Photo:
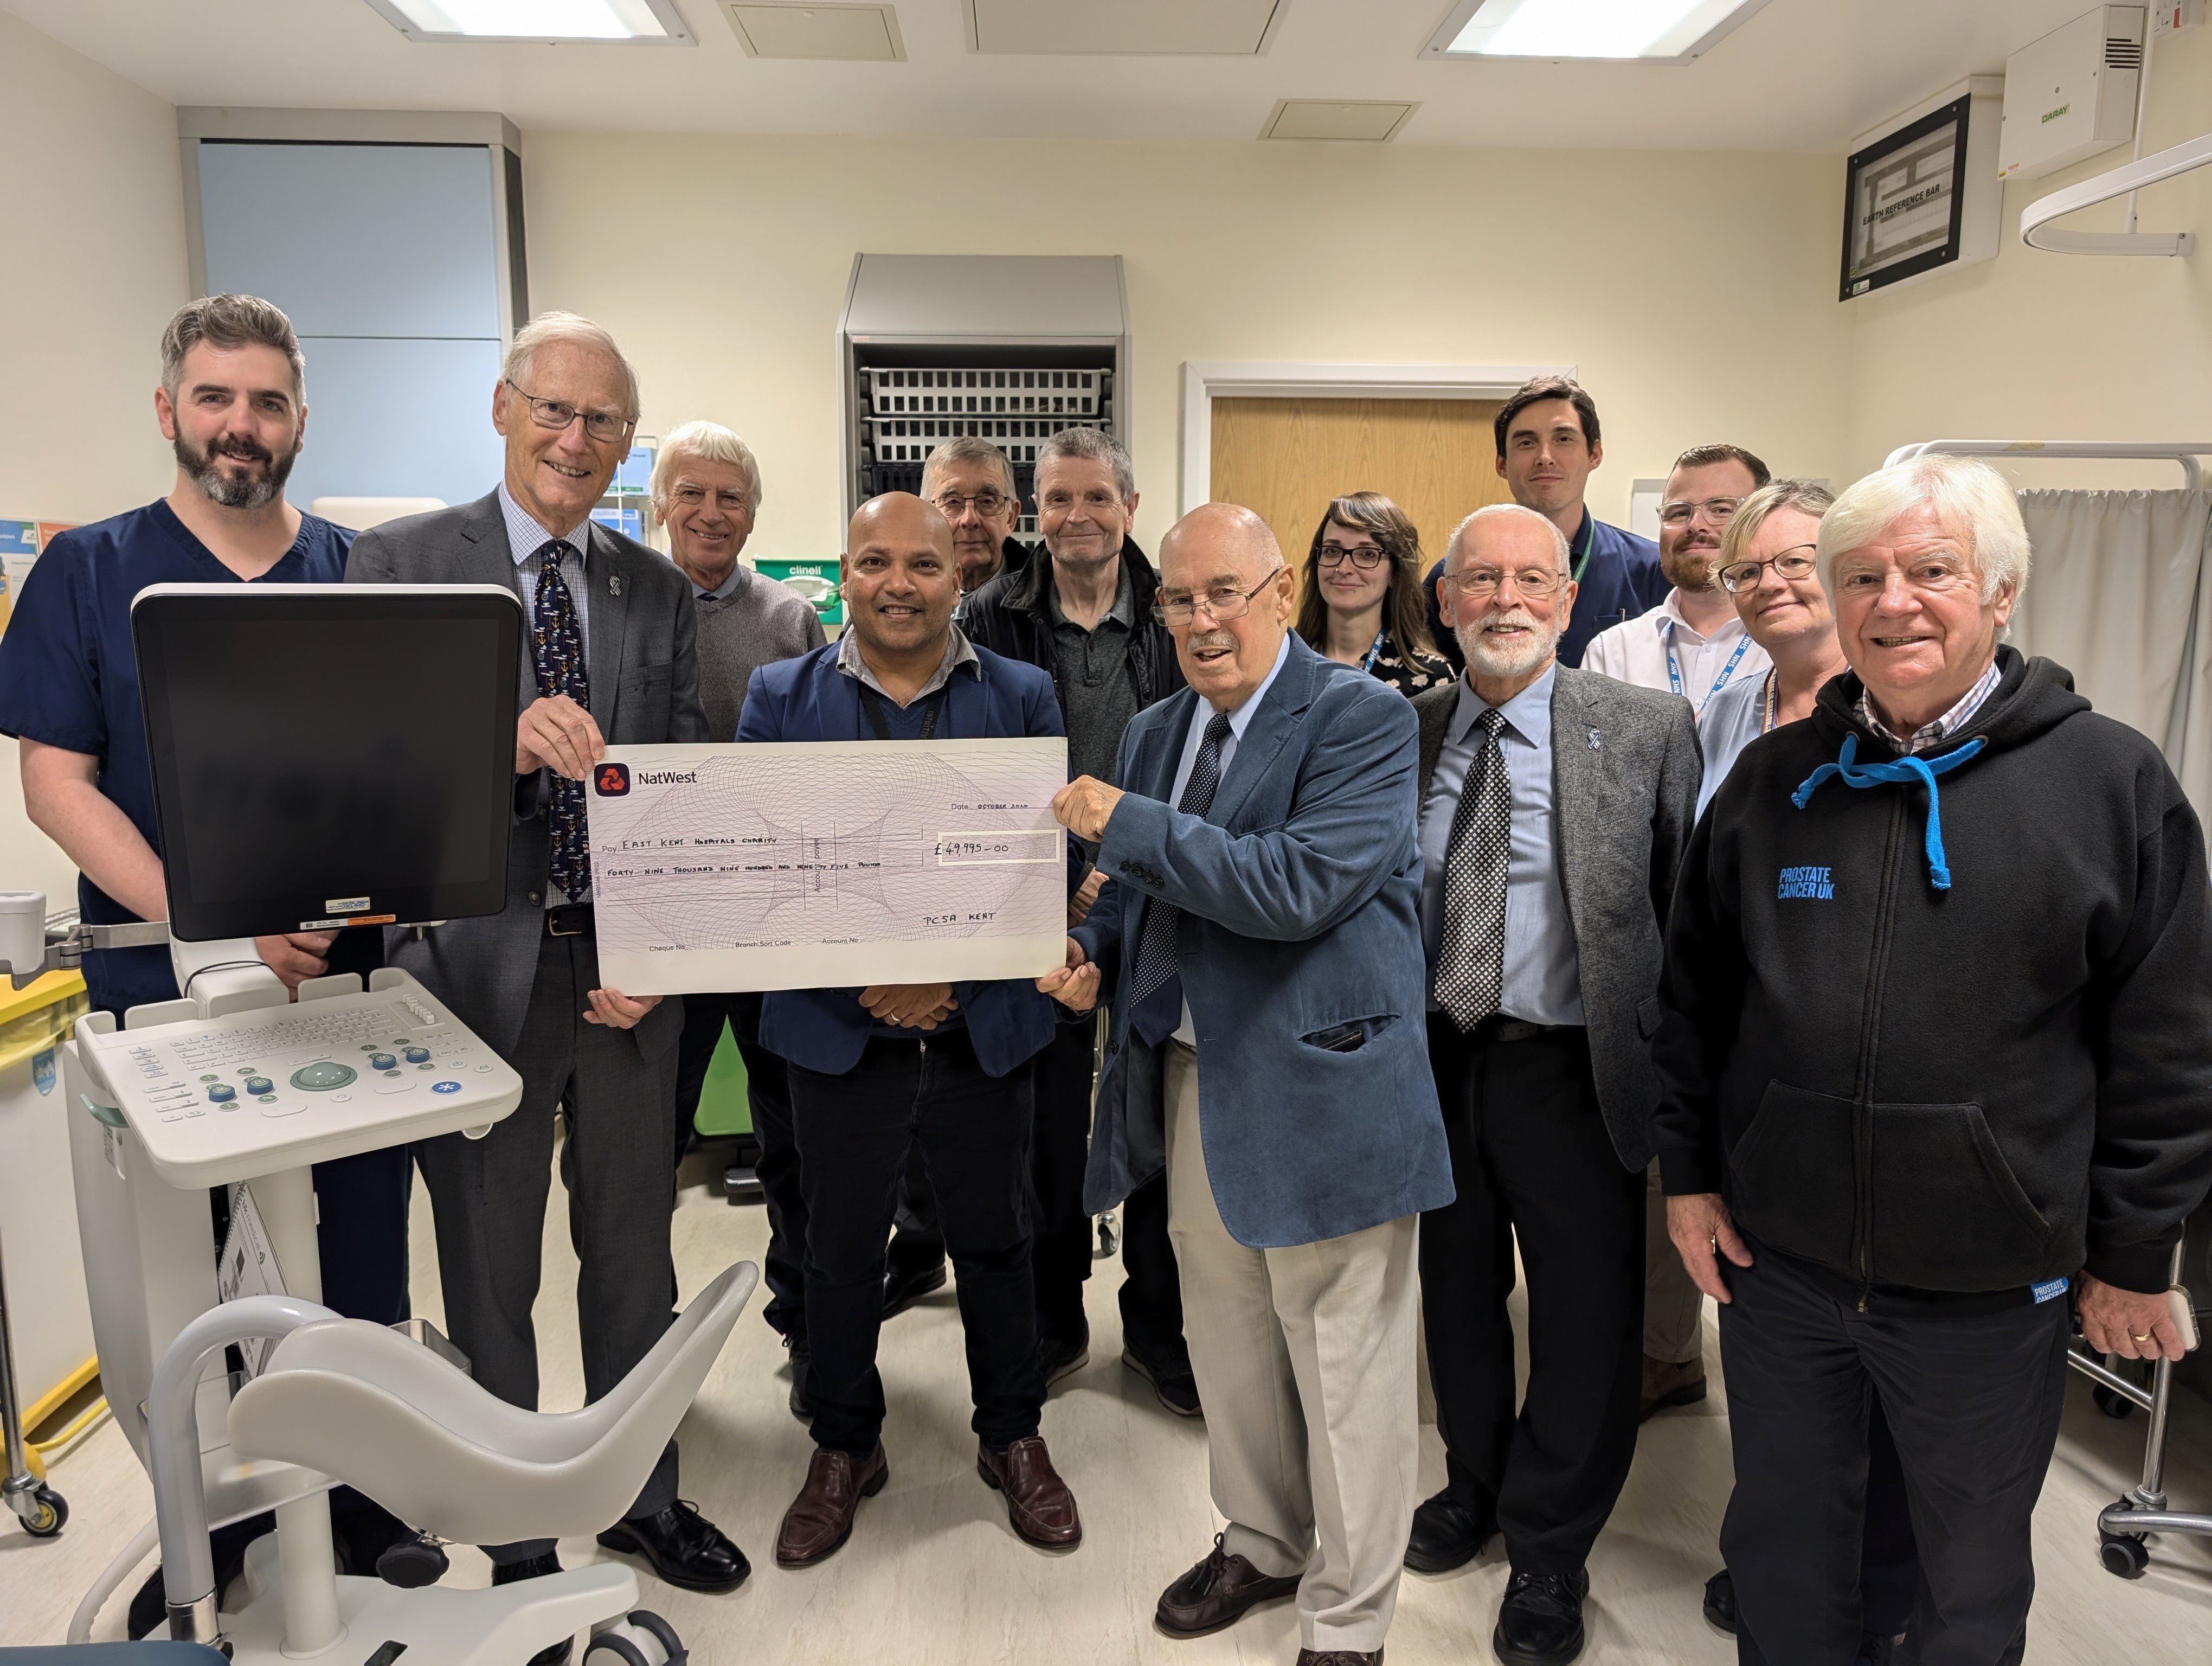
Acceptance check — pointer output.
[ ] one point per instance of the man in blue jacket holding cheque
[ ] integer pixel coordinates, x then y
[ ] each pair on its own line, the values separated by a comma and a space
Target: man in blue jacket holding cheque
1263, 943
942, 1065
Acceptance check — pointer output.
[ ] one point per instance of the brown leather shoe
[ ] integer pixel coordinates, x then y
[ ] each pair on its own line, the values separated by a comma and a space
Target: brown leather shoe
1339, 1657
1218, 1592
820, 1518
1666, 1384
1038, 1502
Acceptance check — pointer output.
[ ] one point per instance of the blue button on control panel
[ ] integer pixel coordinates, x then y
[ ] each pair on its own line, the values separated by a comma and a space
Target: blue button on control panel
222, 1093
382, 1062
418, 1055
445, 1087
258, 1085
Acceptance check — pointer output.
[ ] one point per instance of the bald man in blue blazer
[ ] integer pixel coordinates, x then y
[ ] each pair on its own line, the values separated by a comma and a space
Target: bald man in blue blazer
1262, 947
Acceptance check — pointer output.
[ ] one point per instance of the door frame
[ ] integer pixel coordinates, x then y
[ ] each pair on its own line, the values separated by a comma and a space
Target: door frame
1205, 381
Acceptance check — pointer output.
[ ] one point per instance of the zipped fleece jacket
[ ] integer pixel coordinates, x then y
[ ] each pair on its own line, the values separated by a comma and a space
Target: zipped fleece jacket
1929, 1093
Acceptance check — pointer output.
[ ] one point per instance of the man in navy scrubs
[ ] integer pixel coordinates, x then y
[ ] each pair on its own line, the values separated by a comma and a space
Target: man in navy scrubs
1547, 446
231, 405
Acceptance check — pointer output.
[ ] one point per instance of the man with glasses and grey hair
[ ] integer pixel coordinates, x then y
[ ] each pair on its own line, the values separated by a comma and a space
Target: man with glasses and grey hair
614, 660
1993, 1102
972, 485
1555, 807
1260, 941
706, 492
1084, 613
1692, 644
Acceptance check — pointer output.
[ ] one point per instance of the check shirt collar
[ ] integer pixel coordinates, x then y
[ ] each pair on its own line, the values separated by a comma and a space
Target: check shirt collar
1930, 734
958, 652
525, 537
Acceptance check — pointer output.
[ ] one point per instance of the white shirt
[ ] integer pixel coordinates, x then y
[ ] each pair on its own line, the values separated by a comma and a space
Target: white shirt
1239, 721
1637, 651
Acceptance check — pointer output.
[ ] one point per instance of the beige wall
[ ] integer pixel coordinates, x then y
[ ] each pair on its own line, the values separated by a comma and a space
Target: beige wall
93, 199
2039, 346
720, 264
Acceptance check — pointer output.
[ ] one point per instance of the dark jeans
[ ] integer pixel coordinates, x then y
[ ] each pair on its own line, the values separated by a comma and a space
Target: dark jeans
1532, 1160
973, 1132
1152, 1293
768, 1093
1973, 1405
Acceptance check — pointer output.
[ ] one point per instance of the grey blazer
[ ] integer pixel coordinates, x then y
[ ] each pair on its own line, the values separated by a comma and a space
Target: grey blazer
1624, 772
645, 690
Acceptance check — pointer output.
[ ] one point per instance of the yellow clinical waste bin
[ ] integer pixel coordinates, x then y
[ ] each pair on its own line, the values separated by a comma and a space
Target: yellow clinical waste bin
47, 1309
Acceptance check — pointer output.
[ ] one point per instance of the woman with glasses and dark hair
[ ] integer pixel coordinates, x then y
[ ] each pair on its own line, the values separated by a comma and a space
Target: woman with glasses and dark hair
1362, 603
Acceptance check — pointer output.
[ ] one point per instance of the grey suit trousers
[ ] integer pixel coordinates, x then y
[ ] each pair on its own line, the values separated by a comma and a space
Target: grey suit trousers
488, 1197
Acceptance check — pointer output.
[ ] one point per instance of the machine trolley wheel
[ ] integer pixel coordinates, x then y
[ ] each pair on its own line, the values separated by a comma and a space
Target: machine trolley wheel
49, 1513
2112, 1405
2122, 1554
641, 1638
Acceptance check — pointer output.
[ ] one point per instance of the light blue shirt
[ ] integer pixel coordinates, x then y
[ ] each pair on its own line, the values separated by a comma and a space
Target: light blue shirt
525, 538
728, 587
1732, 720
1543, 979
1239, 721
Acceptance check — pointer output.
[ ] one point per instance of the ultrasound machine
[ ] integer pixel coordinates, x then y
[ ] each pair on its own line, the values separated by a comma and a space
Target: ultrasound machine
324, 756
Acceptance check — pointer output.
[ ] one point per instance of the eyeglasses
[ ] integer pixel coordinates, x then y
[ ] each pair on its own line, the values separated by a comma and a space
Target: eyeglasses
1476, 582
1223, 601
1718, 510
1365, 557
953, 506
557, 414
1790, 566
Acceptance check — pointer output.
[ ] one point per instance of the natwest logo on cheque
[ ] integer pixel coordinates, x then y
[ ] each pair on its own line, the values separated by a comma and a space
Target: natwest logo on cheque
610, 779
667, 777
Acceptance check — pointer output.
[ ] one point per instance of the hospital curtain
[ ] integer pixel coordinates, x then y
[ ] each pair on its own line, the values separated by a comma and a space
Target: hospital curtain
2116, 596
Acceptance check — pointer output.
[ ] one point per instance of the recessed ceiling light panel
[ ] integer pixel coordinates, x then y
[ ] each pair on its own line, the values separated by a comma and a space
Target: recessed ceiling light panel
1640, 31
632, 22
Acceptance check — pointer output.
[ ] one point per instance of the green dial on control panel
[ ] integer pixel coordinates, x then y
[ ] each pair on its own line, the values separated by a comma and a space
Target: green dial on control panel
322, 1075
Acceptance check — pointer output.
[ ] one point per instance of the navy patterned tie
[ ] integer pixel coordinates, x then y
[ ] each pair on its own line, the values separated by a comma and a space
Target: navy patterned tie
557, 640
1156, 937
1471, 949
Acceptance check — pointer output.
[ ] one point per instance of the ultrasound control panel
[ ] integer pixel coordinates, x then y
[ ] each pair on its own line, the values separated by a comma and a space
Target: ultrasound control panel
221, 1100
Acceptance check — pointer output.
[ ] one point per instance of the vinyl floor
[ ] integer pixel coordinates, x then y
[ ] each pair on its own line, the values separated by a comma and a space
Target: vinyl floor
934, 1576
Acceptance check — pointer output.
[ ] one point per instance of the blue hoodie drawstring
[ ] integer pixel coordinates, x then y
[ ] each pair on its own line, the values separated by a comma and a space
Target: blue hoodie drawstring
1924, 770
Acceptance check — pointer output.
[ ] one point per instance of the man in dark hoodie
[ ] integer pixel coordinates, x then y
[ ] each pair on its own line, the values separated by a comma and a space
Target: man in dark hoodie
1935, 1039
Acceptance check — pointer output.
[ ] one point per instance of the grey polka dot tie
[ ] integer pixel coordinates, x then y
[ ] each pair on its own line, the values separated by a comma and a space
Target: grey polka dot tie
1471, 952
1156, 934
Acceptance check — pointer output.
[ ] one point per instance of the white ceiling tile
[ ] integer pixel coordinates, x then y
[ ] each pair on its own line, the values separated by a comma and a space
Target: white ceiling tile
1178, 28
1373, 120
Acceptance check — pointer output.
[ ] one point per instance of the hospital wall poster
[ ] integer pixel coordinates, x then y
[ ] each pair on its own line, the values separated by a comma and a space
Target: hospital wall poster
816, 580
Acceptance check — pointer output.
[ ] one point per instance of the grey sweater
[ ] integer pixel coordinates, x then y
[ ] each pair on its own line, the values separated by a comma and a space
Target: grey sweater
759, 622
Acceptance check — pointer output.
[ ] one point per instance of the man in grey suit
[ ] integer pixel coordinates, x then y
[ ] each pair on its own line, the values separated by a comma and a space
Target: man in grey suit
1263, 944
1555, 807
614, 660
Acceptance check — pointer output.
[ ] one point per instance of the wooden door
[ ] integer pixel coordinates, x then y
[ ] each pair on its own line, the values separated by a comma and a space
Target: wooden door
1285, 459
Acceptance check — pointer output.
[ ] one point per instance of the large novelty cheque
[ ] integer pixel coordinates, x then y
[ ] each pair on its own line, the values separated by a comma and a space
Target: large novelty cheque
826, 865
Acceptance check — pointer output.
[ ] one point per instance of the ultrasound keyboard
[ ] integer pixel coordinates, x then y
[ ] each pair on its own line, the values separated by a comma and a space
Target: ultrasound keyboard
254, 1092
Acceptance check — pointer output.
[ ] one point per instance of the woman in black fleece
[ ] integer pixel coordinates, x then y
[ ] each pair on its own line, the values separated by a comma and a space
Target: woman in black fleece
1936, 1047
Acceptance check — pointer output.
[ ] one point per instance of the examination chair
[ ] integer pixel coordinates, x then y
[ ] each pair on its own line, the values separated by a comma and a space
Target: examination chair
378, 1411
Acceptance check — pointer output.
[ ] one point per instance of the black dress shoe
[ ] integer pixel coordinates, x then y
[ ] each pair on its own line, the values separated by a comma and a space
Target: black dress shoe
686, 1549
1540, 1621
904, 1286
1063, 1356
506, 1573
1446, 1535
1720, 1601
1170, 1377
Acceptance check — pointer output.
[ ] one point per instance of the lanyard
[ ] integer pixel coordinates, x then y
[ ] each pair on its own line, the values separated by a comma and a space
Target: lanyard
1373, 652
1582, 561
1768, 711
873, 704
1675, 669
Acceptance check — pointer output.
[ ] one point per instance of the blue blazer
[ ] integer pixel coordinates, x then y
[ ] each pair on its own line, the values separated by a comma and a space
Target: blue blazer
1302, 892
809, 699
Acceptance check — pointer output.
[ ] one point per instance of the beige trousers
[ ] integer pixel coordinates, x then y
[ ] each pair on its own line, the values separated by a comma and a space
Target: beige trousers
1674, 1311
1305, 1359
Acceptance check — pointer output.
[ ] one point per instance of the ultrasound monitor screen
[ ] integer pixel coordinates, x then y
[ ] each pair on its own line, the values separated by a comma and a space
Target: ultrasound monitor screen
328, 754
